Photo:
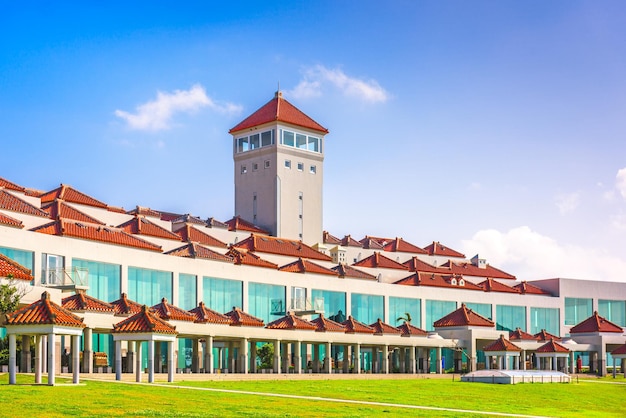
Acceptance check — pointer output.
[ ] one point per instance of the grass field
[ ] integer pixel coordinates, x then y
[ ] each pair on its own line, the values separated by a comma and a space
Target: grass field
100, 398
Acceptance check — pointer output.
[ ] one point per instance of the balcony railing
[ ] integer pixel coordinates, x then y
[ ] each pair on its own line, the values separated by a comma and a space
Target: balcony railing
306, 305
62, 277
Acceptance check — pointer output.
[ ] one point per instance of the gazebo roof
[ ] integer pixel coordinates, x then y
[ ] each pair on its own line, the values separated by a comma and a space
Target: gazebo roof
464, 316
501, 344
291, 321
144, 322
381, 328
168, 311
125, 306
518, 334
407, 330
241, 318
83, 302
544, 335
353, 326
44, 311
595, 323
206, 315
552, 347
324, 324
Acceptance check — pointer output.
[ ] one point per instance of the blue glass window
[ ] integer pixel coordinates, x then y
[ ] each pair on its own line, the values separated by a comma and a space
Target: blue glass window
367, 308
104, 279
222, 295
148, 287
187, 291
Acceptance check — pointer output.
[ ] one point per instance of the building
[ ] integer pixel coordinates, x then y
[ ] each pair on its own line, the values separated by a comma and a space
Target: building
272, 275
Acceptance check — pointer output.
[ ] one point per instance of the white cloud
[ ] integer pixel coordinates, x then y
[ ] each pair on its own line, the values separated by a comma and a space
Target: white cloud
567, 202
620, 182
529, 256
156, 115
317, 77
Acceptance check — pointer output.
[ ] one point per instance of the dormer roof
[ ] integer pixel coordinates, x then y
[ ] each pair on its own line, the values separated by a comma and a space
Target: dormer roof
525, 287
125, 306
348, 241
501, 344
544, 335
280, 246
408, 330
195, 250
469, 269
241, 318
437, 248
552, 347
377, 260
491, 285
13, 268
69, 194
193, 234
247, 258
438, 280
239, 224
59, 209
399, 245
518, 334
596, 323
327, 238
464, 316
305, 266
381, 328
345, 270
168, 311
206, 315
291, 321
13, 203
85, 303
144, 211
44, 312
144, 321
139, 225
353, 326
8, 221
324, 324
10, 185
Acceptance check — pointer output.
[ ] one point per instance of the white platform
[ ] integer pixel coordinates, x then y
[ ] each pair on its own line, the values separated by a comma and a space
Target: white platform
512, 377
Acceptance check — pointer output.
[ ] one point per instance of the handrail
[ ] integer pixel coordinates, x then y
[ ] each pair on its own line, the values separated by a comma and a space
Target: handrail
60, 276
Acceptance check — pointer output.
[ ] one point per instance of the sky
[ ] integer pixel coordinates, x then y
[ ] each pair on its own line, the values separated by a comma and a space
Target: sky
497, 128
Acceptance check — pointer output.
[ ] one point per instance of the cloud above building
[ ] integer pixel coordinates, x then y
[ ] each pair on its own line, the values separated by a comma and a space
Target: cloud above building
315, 79
620, 182
567, 202
156, 115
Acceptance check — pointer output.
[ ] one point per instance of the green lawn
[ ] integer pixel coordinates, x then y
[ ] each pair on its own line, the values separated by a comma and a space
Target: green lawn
586, 398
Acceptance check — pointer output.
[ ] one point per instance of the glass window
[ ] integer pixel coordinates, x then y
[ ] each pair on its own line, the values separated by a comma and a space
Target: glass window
104, 279
266, 301
482, 309
300, 141
334, 303
577, 310
287, 163
25, 258
242, 144
437, 309
313, 169
314, 144
300, 166
52, 269
367, 308
544, 318
222, 294
187, 291
288, 138
399, 307
267, 164
244, 169
508, 318
148, 287
266, 138
254, 141
613, 310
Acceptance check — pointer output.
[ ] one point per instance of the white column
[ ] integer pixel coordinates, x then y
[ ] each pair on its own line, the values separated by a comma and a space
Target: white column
439, 371
375, 362
118, 360
44, 352
253, 356
297, 359
208, 354
412, 360
151, 361
170, 361
51, 359
385, 358
75, 359
329, 359
12, 359
38, 354
138, 354
87, 350
277, 368
243, 356
523, 360
357, 359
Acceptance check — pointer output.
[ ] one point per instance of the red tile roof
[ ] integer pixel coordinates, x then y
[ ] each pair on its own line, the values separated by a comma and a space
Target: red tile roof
370, 243
501, 344
377, 260
596, 323
544, 335
526, 287
415, 264
278, 110
518, 334
464, 316
400, 245
214, 223
348, 241
280, 246
192, 234
186, 218
407, 330
247, 258
206, 315
13, 203
305, 266
468, 269
142, 322
552, 347
381, 328
324, 324
44, 311
140, 210
8, 221
70, 194
291, 321
168, 312
195, 250
437, 249
9, 185
13, 268
125, 306
109, 235
142, 226
491, 285
438, 280
239, 224
327, 238
345, 270
116, 209
621, 350
85, 303
353, 326
241, 318
58, 209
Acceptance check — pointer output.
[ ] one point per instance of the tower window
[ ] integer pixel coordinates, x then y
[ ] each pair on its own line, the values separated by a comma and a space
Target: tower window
267, 164
287, 163
300, 166
244, 169
255, 167
313, 169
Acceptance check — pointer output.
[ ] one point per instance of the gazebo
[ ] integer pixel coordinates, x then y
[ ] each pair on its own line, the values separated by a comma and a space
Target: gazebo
502, 349
552, 351
619, 354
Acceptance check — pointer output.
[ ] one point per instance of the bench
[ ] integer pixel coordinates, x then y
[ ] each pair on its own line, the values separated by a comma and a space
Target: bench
100, 359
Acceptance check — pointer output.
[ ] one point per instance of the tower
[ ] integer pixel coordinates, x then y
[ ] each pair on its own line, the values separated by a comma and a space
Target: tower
278, 156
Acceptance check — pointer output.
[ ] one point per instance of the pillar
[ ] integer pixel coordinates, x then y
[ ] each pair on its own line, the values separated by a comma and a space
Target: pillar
88, 350
277, 348
316, 358
297, 359
328, 360
170, 361
307, 356
208, 354
243, 356
158, 357
51, 359
38, 362
137, 361
231, 358
375, 362
286, 357
130, 356
253, 356
572, 362
118, 360
385, 359
151, 361
44, 353
402, 360
523, 360
346, 358
357, 358
421, 367
12, 359
26, 359
412, 360
75, 359
439, 371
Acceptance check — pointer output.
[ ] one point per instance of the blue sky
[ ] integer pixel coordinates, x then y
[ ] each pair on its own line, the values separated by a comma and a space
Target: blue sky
492, 127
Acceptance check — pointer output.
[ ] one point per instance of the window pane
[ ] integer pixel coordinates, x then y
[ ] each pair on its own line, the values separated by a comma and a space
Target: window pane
577, 310
334, 303
508, 318
266, 138
288, 138
242, 144
613, 310
104, 279
367, 308
25, 258
300, 141
254, 141
544, 318
187, 291
314, 144
222, 295
266, 301
148, 287
399, 307
437, 309
482, 309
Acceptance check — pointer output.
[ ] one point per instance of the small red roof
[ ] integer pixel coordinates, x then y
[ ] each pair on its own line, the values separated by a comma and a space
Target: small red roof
280, 246
9, 185
595, 323
619, 350
125, 306
206, 315
381, 328
544, 335
518, 334
407, 330
348, 241
142, 226
13, 268
438, 249
140, 210
42, 312
469, 269
70, 194
13, 203
239, 224
8, 221
59, 209
438, 280
464, 316
144, 321
324, 324
241, 318
552, 347
193, 234
377, 260
395, 245
353, 326
305, 266
371, 243
85, 303
247, 258
415, 264
170, 312
279, 110
327, 238
525, 287
291, 321
501, 344
345, 270
195, 250
491, 285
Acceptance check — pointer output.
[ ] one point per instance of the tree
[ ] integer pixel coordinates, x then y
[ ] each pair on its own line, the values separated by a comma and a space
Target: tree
10, 297
406, 318
266, 355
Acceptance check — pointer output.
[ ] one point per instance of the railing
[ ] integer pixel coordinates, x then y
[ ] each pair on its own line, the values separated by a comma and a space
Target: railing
75, 276
307, 305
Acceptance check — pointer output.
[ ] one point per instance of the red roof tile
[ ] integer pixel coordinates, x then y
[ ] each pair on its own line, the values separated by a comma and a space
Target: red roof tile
125, 306
377, 260
353, 326
324, 324
370, 243
143, 211
463, 316
438, 280
206, 315
595, 323
8, 221
525, 287
407, 330
415, 264
142, 322
621, 350
437, 249
13, 268
280, 246
345, 270
58, 209
491, 285
239, 224
381, 328
400, 245
44, 311
192, 234
241, 318
85, 303
468, 269
278, 110
501, 344
291, 321
544, 335
518, 334
109, 235
214, 223
305, 266
9, 185
552, 347
186, 218
142, 226
70, 194
116, 209
195, 250
348, 241
330, 239
247, 258
170, 312
13, 203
